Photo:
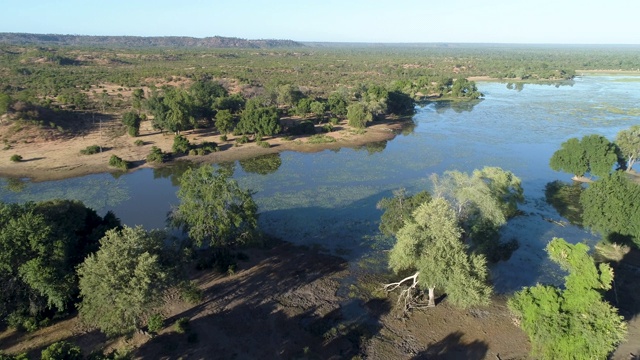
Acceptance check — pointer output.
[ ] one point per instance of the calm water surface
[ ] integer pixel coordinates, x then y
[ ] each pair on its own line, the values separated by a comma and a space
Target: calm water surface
328, 199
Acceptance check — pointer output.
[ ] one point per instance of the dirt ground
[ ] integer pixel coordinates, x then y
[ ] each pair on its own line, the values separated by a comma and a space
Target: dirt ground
289, 302
47, 157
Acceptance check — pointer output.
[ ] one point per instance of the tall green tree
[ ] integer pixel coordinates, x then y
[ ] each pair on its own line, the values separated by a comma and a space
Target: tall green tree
132, 121
431, 246
224, 121
258, 120
5, 103
124, 281
593, 154
337, 103
214, 209
628, 142
173, 110
574, 322
204, 94
611, 206
358, 115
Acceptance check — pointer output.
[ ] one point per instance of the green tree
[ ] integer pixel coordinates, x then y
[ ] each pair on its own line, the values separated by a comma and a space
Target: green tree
132, 121
258, 120
464, 88
124, 282
594, 154
224, 122
288, 95
61, 350
628, 142
358, 115
574, 322
337, 104
611, 206
5, 103
137, 99
431, 246
173, 110
399, 209
303, 107
213, 209
40, 246
318, 108
234, 103
204, 94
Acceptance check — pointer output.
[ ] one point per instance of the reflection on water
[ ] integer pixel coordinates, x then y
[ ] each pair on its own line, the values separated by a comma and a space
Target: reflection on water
328, 198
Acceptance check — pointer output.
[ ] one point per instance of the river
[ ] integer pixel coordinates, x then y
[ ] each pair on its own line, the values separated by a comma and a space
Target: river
328, 199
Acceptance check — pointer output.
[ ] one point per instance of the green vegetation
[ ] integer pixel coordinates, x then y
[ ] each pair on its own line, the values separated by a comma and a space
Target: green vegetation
15, 158
124, 281
573, 322
90, 150
38, 276
594, 154
399, 209
213, 209
61, 350
132, 121
181, 145
156, 155
628, 142
117, 162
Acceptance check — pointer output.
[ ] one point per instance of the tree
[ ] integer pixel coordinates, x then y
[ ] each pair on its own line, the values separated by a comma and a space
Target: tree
399, 209
465, 89
234, 103
132, 121
431, 246
503, 186
61, 350
213, 209
337, 104
303, 107
258, 120
124, 281
204, 94
5, 103
137, 98
40, 246
358, 115
173, 110
593, 154
224, 122
611, 206
318, 108
574, 322
288, 95
628, 142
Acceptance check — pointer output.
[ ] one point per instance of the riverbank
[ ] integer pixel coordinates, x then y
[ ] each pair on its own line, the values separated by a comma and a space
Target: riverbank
46, 160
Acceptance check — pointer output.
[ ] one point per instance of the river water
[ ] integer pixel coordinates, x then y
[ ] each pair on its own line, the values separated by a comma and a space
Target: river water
328, 199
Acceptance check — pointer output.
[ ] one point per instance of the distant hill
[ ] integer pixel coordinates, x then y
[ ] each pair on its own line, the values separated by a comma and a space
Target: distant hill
143, 41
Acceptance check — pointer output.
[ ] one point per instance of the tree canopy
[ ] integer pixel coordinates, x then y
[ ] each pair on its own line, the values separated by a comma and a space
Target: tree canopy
574, 322
124, 281
628, 142
358, 115
258, 120
593, 154
399, 209
214, 209
431, 245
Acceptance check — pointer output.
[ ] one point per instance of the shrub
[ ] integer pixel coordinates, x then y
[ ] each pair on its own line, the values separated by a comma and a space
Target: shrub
263, 144
62, 350
90, 150
327, 128
156, 155
138, 142
15, 158
22, 322
181, 144
193, 152
321, 139
182, 325
303, 128
223, 137
155, 323
243, 139
334, 121
190, 293
209, 147
117, 162
132, 121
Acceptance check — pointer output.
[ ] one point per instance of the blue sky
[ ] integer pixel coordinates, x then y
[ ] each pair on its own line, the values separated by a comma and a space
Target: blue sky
497, 21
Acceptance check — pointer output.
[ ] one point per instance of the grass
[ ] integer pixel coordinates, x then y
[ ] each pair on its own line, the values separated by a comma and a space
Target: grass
321, 139
90, 150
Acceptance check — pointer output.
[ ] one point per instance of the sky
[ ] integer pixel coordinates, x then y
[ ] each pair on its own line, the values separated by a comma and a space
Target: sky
378, 21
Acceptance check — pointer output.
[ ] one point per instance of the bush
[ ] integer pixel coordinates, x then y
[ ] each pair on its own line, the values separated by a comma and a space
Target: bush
15, 158
156, 155
242, 140
327, 128
182, 325
155, 323
181, 144
321, 139
90, 150
209, 147
334, 121
263, 144
132, 121
138, 142
62, 350
22, 356
303, 128
22, 322
223, 137
193, 152
191, 293
117, 162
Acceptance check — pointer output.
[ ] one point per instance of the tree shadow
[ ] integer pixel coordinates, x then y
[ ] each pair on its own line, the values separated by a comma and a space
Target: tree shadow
33, 159
452, 347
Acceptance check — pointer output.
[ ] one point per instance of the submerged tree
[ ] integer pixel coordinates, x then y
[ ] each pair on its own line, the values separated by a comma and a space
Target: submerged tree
214, 209
431, 246
574, 322
594, 154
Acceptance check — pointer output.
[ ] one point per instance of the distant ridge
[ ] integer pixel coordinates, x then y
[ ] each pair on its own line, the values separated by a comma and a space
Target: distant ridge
143, 41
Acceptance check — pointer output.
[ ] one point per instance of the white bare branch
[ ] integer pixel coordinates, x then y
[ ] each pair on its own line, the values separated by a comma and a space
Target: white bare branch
407, 295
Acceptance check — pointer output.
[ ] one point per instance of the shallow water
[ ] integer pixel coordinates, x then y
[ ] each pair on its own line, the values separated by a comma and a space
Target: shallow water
328, 199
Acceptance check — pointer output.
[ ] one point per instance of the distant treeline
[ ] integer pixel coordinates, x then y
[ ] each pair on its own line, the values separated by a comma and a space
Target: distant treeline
143, 41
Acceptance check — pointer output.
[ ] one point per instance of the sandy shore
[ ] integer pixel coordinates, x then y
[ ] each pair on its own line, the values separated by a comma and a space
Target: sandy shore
61, 159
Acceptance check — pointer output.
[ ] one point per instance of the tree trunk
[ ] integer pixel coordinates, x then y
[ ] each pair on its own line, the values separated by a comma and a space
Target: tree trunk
432, 300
